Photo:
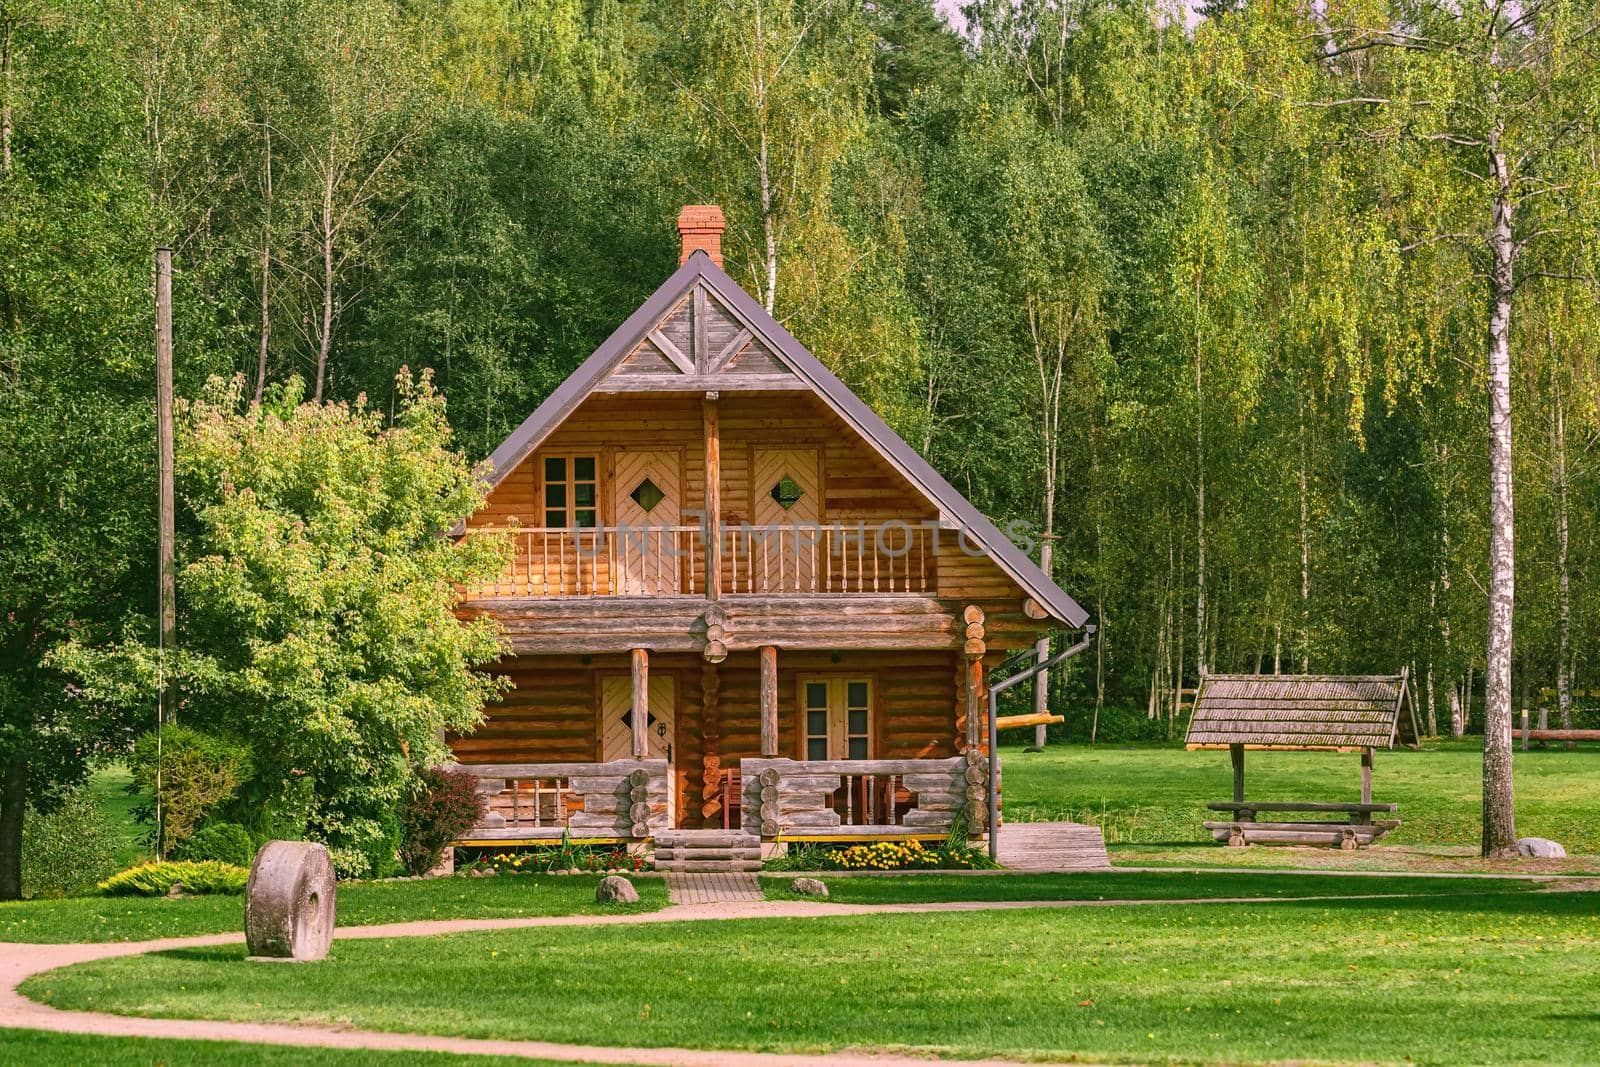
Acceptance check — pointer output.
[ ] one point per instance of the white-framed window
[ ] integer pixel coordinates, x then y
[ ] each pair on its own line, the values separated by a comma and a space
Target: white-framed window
836, 718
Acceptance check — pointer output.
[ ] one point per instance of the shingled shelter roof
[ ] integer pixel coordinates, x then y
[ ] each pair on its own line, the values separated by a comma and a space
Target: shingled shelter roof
1303, 711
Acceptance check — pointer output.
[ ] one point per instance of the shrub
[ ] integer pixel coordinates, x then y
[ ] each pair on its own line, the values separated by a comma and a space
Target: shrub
68, 850
197, 772
225, 842
444, 806
157, 879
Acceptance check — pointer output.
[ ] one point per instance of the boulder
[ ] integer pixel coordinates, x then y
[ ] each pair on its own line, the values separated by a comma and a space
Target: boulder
289, 902
809, 887
614, 889
1540, 848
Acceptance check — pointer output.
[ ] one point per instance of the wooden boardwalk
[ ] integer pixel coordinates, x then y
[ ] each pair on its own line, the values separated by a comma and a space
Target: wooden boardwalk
1039, 847
719, 888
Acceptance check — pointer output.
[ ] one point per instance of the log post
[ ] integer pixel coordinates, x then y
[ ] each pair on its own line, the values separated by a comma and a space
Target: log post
974, 649
1236, 752
769, 701
711, 740
1366, 776
641, 703
713, 520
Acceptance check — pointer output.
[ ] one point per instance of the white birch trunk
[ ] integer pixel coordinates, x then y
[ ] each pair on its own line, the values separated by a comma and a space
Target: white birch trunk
1499, 813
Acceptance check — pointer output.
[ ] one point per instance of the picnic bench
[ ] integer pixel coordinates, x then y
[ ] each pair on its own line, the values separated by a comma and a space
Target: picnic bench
1328, 713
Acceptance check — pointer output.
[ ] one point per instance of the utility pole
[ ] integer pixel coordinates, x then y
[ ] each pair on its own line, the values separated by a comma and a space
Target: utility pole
165, 520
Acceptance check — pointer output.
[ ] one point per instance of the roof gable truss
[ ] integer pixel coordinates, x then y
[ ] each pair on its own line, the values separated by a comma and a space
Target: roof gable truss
700, 343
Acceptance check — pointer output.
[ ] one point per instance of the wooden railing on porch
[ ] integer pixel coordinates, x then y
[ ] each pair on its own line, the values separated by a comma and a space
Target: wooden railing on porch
543, 801
856, 558
862, 798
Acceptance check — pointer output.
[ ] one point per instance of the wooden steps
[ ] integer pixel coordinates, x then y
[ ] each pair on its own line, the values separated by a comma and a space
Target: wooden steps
707, 851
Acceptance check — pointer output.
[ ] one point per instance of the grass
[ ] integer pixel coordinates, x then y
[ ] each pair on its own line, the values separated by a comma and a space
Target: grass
1135, 885
109, 787
1490, 977
1156, 794
40, 1048
359, 904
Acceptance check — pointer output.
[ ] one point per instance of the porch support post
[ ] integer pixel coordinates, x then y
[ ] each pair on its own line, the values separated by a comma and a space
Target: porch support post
1236, 753
769, 701
641, 702
713, 527
974, 649
1366, 776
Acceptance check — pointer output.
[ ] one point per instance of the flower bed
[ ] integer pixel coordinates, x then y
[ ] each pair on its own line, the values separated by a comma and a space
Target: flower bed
882, 856
562, 859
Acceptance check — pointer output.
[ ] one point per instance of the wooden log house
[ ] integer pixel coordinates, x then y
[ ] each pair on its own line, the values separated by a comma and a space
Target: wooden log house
737, 599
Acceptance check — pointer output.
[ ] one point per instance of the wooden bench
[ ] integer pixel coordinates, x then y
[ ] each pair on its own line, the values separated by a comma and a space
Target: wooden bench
1358, 831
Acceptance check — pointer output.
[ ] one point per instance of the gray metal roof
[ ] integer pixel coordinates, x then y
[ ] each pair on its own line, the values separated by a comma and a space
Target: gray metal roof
1299, 711
953, 507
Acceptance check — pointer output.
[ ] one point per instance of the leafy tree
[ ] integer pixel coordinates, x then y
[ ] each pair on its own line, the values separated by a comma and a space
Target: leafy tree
317, 594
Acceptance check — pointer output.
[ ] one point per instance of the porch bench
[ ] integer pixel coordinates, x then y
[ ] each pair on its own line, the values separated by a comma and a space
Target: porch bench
1246, 809
1329, 834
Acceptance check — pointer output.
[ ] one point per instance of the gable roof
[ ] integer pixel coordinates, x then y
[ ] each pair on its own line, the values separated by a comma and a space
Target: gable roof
796, 362
1299, 711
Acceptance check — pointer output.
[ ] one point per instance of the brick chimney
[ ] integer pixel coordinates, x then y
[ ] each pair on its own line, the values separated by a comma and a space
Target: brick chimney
701, 226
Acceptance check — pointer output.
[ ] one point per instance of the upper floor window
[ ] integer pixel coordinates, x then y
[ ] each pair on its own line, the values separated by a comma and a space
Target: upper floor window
571, 490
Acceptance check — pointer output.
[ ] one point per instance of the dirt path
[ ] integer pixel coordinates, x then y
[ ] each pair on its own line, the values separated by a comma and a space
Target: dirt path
19, 962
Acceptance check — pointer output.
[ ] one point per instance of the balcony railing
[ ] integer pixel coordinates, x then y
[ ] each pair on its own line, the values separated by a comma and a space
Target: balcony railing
865, 559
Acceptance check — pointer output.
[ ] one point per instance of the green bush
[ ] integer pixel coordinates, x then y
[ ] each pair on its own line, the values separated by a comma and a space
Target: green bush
66, 851
197, 772
444, 806
157, 879
225, 842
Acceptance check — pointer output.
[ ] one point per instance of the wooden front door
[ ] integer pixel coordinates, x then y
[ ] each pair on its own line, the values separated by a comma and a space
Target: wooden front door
647, 506
616, 718
786, 506
837, 721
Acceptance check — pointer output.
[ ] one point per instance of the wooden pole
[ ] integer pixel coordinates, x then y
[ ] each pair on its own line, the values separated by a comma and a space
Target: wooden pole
1366, 776
641, 703
165, 520
975, 718
769, 701
1237, 754
708, 411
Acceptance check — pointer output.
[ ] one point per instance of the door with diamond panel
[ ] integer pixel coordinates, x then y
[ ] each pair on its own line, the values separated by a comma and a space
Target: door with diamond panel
787, 550
646, 544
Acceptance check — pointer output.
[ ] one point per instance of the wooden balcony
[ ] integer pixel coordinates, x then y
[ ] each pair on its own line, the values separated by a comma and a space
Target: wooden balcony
867, 799
851, 559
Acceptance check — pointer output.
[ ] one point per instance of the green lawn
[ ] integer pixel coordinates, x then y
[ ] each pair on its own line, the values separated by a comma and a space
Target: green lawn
1134, 885
109, 786
1484, 978
359, 904
39, 1048
1146, 794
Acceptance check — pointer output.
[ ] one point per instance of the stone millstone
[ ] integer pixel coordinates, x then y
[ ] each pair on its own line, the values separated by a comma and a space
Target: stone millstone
1540, 848
289, 902
614, 889
809, 887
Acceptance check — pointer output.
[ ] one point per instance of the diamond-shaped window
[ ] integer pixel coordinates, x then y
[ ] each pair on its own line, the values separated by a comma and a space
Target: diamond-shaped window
787, 492
647, 495
627, 719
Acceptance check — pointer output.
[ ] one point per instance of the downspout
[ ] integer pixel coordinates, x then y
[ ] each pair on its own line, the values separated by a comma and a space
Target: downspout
994, 730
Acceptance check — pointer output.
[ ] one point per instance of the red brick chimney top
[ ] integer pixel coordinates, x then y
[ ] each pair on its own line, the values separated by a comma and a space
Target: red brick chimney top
701, 226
